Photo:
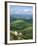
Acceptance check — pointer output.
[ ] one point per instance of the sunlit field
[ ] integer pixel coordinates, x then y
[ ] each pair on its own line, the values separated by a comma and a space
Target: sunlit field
21, 23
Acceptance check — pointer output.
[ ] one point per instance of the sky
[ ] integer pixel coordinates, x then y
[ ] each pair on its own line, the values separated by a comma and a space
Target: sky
15, 9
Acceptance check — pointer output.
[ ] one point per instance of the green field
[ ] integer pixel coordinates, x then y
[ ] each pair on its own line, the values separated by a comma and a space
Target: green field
20, 30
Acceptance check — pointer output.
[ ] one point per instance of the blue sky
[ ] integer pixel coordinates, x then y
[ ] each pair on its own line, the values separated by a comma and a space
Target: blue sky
14, 9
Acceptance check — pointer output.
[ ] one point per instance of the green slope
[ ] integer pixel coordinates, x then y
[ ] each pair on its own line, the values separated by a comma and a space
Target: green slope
19, 24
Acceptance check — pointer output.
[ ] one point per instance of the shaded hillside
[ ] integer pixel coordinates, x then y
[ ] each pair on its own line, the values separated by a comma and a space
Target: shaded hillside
19, 24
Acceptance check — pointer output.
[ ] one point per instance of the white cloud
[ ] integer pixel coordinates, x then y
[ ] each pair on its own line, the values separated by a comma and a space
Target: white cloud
25, 11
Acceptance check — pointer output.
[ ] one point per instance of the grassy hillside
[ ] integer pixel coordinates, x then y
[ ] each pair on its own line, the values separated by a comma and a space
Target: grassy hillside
20, 29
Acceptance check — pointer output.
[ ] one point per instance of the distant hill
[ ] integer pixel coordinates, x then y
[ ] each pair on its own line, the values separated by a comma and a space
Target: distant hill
21, 17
